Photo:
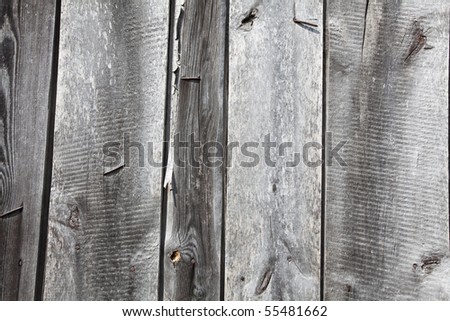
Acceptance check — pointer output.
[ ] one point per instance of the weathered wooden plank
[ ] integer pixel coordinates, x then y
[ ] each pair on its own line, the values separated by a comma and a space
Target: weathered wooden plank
194, 216
273, 213
26, 47
104, 222
387, 211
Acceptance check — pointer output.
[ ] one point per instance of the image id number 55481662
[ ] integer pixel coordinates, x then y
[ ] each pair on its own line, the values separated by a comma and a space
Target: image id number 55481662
299, 311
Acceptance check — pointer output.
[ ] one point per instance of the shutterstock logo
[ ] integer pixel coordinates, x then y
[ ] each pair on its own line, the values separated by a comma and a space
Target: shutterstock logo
191, 152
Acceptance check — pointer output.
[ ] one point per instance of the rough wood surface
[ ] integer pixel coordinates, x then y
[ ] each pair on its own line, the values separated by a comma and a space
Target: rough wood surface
273, 214
26, 47
104, 227
387, 233
244, 231
194, 216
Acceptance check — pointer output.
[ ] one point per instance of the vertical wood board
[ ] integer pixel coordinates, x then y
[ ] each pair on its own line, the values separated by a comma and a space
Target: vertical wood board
195, 207
26, 53
387, 211
104, 226
273, 213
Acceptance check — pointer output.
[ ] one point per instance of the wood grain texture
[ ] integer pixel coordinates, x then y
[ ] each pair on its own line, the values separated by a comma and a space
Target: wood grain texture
387, 235
194, 216
104, 224
273, 214
26, 47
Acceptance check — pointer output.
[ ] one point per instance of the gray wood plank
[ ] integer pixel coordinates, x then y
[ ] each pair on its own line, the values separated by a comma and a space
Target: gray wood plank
273, 213
26, 47
104, 224
387, 233
194, 215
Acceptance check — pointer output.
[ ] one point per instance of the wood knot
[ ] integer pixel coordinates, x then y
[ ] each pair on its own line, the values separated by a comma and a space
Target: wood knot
429, 263
74, 217
418, 41
264, 283
249, 18
199, 293
175, 257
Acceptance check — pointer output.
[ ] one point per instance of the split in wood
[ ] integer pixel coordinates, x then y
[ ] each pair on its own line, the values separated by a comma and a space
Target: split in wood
12, 212
191, 78
306, 23
113, 170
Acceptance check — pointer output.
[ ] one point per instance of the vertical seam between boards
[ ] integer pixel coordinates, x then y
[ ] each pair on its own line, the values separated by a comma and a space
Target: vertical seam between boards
324, 131
48, 162
166, 148
225, 141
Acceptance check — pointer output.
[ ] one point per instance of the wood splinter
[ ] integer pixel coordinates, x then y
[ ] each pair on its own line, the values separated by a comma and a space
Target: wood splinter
14, 211
113, 170
306, 23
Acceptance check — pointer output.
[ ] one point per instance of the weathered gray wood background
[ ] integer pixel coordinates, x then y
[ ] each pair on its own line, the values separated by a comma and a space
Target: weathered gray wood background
81, 220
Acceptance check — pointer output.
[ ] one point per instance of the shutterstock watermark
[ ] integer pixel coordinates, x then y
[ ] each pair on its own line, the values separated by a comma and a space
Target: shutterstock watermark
192, 152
